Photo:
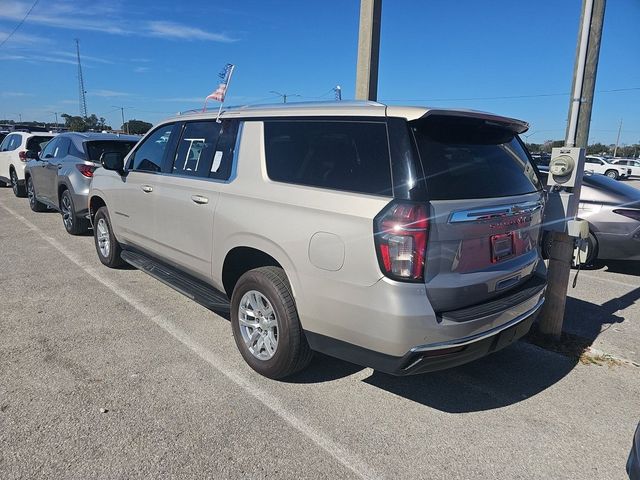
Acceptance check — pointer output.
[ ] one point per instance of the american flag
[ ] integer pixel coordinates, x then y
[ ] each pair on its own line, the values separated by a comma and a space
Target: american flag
224, 77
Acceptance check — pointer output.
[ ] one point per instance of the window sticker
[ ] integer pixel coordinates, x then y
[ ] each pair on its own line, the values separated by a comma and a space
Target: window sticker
217, 160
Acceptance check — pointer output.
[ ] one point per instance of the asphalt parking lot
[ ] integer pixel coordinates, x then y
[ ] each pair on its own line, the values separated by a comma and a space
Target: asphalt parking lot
111, 374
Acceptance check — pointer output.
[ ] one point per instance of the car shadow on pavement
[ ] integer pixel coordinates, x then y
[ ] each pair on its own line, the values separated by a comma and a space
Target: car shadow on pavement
627, 267
506, 377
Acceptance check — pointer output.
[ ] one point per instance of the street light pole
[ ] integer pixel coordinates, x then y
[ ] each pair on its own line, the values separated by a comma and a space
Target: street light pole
124, 125
284, 95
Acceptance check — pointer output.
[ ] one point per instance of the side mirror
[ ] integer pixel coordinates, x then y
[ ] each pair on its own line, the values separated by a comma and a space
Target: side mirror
32, 154
113, 161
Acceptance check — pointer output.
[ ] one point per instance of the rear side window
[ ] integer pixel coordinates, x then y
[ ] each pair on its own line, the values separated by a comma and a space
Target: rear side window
340, 155
96, 148
196, 148
36, 144
471, 158
12, 142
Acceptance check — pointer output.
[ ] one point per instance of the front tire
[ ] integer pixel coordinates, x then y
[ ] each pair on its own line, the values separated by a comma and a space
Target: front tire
612, 174
18, 190
107, 246
73, 224
265, 324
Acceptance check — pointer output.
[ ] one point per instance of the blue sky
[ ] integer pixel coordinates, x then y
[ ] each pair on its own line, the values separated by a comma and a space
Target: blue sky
160, 57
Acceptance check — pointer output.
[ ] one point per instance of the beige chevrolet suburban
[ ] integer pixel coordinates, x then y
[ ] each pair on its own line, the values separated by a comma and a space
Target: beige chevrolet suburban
405, 239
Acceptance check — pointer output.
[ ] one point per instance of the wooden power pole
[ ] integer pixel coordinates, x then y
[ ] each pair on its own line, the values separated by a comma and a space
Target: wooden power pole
580, 106
368, 50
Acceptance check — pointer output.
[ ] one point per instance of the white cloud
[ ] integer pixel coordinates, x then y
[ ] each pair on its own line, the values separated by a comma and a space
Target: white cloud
183, 99
108, 93
103, 18
176, 30
141, 69
16, 94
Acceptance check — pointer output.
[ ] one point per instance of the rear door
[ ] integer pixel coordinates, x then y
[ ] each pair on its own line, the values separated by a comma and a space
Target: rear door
486, 209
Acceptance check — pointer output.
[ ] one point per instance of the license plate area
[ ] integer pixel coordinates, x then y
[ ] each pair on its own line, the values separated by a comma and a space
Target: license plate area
501, 246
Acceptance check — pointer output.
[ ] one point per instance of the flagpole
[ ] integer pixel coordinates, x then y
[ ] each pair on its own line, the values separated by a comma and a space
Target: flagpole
225, 94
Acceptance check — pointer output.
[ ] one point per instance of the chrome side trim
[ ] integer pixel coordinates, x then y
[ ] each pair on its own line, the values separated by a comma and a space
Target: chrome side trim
479, 336
494, 212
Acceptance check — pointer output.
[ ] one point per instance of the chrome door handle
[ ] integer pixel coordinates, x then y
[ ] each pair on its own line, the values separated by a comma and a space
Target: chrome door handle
147, 188
199, 199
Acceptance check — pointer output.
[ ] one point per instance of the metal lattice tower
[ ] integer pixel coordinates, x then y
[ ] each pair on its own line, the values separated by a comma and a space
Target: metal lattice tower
82, 91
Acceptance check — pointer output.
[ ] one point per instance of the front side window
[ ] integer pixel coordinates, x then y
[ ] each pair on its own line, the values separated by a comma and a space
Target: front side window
150, 154
469, 158
339, 155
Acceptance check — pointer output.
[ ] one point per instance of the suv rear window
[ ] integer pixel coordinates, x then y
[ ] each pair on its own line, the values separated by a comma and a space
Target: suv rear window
96, 148
37, 143
339, 155
472, 158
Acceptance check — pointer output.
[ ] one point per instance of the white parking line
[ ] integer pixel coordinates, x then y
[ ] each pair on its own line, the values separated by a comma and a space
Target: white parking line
339, 453
605, 280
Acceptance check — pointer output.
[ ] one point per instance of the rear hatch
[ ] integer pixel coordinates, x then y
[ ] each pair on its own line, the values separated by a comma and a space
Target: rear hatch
486, 208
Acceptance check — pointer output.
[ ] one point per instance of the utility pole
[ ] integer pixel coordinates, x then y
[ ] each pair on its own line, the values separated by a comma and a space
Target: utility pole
125, 125
368, 50
615, 150
338, 91
284, 95
580, 106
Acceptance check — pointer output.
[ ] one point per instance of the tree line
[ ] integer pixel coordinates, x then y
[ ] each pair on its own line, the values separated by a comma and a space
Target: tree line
76, 123
623, 151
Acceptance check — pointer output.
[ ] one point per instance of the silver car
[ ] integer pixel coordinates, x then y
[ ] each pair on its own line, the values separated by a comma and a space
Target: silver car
60, 175
406, 239
612, 209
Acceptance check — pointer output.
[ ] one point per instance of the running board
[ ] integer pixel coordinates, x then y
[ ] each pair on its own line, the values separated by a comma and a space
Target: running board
196, 290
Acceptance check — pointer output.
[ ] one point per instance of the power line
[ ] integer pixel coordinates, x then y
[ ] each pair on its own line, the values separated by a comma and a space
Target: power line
19, 24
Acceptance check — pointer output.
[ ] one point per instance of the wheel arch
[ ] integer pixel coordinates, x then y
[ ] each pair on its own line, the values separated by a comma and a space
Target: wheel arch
254, 252
95, 202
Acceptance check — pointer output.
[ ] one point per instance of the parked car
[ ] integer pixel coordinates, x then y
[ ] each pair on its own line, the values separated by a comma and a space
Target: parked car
405, 239
13, 157
634, 165
59, 177
612, 209
604, 166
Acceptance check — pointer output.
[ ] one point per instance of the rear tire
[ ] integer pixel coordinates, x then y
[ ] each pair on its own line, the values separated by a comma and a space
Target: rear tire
18, 190
34, 204
265, 324
612, 174
107, 246
73, 224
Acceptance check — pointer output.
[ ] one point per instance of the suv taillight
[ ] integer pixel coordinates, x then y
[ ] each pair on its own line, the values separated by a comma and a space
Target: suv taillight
23, 155
86, 170
400, 233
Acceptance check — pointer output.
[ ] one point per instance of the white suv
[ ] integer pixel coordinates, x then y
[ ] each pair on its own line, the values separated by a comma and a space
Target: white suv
405, 239
605, 167
14, 154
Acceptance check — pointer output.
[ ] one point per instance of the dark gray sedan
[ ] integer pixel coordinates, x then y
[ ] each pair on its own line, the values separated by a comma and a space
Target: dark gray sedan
59, 177
612, 209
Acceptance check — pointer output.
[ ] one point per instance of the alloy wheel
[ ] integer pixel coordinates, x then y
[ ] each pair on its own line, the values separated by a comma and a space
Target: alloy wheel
14, 182
67, 211
258, 325
104, 241
31, 193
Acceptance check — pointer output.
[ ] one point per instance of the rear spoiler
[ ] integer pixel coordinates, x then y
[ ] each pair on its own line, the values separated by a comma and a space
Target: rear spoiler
515, 125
